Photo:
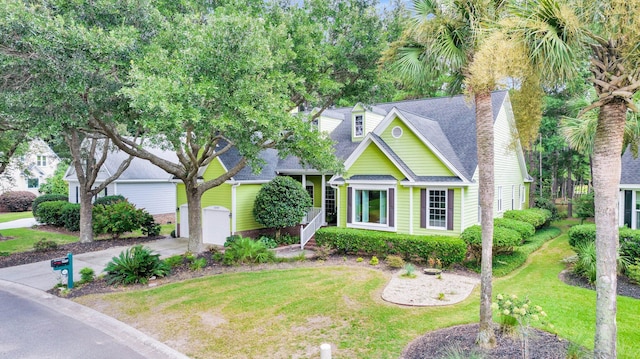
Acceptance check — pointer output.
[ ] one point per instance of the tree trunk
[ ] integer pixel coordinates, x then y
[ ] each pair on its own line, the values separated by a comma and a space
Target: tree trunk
86, 216
606, 178
194, 201
484, 134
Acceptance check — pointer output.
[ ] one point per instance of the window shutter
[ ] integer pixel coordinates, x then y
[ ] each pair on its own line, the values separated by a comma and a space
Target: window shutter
450, 209
423, 208
349, 204
392, 207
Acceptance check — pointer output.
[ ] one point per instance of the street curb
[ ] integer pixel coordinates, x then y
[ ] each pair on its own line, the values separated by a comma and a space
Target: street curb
121, 332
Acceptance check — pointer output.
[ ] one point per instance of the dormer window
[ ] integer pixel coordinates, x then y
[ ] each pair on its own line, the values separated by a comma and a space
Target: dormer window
358, 129
41, 161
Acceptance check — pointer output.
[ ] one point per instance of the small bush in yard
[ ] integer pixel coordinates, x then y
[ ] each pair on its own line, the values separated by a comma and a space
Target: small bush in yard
583, 233
525, 229
197, 264
119, 218
46, 198
174, 261
148, 224
549, 205
70, 216
504, 240
109, 200
51, 213
17, 201
633, 272
87, 275
374, 261
245, 250
394, 261
281, 203
135, 265
45, 245
268, 242
534, 216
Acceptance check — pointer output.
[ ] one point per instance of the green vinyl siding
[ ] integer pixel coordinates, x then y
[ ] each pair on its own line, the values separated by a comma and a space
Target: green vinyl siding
316, 181
245, 197
372, 161
414, 152
470, 206
508, 171
402, 209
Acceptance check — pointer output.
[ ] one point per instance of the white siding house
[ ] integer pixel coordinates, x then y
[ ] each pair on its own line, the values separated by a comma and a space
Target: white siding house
29, 171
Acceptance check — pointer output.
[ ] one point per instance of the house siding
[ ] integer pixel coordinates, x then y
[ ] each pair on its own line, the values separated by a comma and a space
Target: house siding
508, 170
373, 161
413, 152
457, 214
155, 198
245, 198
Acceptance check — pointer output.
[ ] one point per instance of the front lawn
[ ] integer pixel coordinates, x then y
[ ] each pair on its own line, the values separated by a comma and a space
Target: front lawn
24, 238
12, 216
289, 313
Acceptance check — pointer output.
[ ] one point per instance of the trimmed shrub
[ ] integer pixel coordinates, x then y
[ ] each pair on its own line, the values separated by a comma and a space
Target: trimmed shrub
549, 205
148, 224
630, 243
135, 265
45, 245
109, 200
87, 275
633, 272
535, 216
504, 240
51, 213
70, 216
394, 261
584, 206
583, 233
46, 198
359, 241
17, 201
281, 203
119, 217
525, 229
245, 250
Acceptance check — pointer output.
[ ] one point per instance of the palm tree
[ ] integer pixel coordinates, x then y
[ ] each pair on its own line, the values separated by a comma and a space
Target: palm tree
557, 33
446, 38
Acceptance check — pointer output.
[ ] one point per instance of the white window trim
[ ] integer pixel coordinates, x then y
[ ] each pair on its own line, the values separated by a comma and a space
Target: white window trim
355, 118
513, 196
522, 193
446, 210
41, 160
500, 204
373, 226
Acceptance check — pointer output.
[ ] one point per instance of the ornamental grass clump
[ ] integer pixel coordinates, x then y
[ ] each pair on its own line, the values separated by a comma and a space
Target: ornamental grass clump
522, 312
135, 265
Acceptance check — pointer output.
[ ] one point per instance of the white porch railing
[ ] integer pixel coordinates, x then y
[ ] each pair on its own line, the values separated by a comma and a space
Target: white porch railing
313, 220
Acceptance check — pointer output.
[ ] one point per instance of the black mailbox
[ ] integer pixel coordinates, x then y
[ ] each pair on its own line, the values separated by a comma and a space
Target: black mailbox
59, 262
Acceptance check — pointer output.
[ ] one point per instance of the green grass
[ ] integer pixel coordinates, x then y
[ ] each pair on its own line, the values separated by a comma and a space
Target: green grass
291, 312
24, 238
165, 230
12, 216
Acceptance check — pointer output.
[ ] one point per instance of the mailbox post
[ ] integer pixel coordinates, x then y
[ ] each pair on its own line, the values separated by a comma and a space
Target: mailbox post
65, 266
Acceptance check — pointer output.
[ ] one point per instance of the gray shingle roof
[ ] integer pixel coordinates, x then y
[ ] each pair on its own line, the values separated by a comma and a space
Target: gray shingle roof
630, 169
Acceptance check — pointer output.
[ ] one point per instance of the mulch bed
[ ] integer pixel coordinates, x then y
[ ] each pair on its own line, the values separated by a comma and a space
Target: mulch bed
625, 286
436, 344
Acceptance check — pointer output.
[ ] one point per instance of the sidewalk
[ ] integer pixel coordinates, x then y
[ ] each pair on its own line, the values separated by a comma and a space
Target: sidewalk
39, 275
19, 223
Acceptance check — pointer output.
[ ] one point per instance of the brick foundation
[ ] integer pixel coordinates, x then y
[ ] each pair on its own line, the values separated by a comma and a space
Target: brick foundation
165, 218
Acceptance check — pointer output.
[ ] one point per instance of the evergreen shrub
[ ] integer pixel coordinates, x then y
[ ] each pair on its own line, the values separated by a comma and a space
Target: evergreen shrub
526, 230
46, 198
17, 201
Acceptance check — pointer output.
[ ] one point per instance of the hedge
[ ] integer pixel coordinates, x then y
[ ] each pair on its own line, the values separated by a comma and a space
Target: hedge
359, 241
629, 238
46, 198
51, 213
70, 216
17, 201
504, 240
525, 229
108, 200
535, 216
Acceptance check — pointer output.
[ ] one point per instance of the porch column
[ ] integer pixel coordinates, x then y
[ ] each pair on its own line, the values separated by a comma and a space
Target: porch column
411, 210
322, 203
304, 182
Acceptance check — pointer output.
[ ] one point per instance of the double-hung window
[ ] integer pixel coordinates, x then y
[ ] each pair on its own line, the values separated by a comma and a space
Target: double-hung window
41, 160
500, 208
436, 208
358, 126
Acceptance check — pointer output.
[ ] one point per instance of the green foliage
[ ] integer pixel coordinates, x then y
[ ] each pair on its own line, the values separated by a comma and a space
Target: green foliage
505, 263
394, 261
51, 213
281, 203
409, 271
585, 266
357, 241
549, 205
287, 240
173, 233
70, 216
525, 229
268, 242
245, 250
633, 272
17, 201
135, 265
198, 264
46, 198
374, 261
174, 261
322, 252
584, 206
109, 200
45, 245
148, 224
583, 233
87, 275
535, 216
504, 240
56, 185
121, 217
231, 239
